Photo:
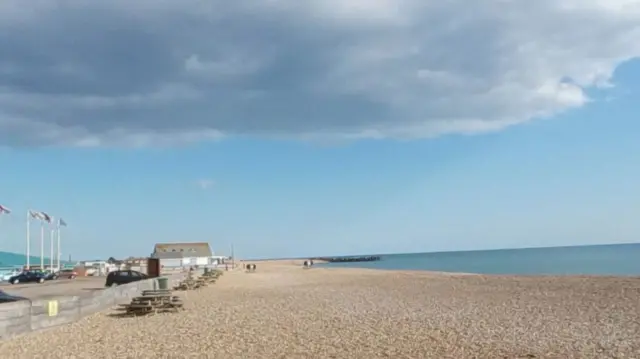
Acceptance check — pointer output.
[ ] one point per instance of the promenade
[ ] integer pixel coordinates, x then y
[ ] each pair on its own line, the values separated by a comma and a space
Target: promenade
81, 286
284, 311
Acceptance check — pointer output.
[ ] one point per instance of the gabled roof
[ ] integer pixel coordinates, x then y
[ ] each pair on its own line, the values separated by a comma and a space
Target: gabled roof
195, 249
168, 255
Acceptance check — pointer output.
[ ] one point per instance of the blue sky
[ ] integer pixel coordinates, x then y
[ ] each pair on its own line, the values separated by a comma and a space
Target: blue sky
371, 128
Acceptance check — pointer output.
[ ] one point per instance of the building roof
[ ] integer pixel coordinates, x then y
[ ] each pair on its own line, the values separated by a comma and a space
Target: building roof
168, 255
197, 249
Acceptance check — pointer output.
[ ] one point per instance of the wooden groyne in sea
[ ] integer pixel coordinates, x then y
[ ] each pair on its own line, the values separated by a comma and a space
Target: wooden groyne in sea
349, 259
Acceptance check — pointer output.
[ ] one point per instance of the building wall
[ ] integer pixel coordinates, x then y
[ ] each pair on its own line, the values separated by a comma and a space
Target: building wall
141, 269
171, 262
189, 261
184, 262
135, 262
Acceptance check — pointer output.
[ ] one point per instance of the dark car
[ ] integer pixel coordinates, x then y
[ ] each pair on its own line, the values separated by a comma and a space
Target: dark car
8, 298
28, 277
50, 275
120, 277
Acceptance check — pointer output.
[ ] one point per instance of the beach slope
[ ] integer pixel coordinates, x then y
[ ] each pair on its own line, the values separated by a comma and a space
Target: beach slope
284, 311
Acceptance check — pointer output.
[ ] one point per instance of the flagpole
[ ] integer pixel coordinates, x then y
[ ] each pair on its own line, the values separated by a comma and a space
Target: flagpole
28, 240
59, 266
41, 245
233, 258
51, 249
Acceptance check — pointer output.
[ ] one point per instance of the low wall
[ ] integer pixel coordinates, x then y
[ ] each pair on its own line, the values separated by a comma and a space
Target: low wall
25, 316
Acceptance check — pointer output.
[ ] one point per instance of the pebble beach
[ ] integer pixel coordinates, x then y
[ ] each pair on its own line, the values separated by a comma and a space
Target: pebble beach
285, 311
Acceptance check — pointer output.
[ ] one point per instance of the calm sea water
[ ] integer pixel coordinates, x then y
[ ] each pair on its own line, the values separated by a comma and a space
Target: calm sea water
617, 259
13, 259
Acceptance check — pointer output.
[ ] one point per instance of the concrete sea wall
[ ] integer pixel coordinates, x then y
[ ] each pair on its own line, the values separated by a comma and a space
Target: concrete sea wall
25, 316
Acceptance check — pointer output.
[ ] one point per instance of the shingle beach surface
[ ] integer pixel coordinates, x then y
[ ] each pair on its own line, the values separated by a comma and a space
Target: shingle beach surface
284, 311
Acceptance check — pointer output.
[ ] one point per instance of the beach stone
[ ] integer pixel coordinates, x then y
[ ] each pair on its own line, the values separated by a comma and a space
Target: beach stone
284, 312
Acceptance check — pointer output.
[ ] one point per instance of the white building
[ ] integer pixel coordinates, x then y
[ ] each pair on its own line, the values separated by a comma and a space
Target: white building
181, 255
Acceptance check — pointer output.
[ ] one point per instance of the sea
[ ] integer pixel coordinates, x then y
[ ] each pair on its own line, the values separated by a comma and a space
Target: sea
614, 259
8, 259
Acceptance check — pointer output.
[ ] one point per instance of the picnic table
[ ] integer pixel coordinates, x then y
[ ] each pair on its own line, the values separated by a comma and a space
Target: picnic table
191, 282
153, 301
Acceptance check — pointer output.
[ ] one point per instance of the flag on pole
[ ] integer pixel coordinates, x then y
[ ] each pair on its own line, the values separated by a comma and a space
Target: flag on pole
42, 216
45, 217
36, 215
61, 222
4, 210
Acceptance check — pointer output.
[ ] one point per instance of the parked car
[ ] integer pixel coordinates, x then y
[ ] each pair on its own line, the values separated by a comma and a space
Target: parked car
120, 277
5, 276
7, 298
28, 277
50, 275
67, 273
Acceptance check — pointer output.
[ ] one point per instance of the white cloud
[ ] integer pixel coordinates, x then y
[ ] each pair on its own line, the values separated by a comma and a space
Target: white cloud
166, 72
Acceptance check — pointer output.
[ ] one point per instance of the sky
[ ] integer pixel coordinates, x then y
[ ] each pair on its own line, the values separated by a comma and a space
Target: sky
320, 127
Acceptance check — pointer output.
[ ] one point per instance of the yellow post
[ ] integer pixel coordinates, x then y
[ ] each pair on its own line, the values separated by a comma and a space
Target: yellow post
52, 308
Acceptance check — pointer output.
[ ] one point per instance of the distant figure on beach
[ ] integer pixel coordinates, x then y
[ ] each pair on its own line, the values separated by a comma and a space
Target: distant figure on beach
251, 267
307, 264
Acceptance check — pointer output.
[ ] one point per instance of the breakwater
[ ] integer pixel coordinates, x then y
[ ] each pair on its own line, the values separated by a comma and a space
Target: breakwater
349, 259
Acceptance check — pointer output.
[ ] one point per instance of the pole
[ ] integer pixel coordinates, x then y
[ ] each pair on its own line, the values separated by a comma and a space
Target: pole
28, 265
59, 266
51, 233
233, 258
41, 245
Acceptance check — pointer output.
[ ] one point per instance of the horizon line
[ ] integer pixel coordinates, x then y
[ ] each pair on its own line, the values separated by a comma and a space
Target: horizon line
403, 253
449, 251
